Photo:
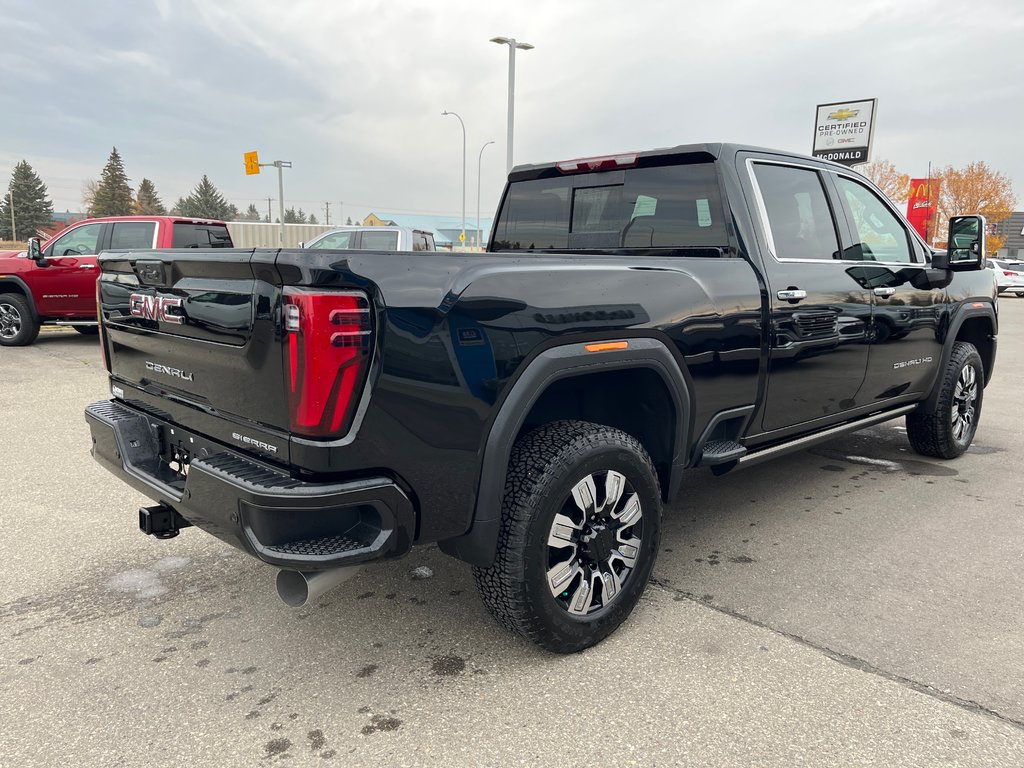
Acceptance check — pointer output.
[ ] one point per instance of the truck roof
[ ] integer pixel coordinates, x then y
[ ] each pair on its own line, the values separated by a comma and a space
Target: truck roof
702, 152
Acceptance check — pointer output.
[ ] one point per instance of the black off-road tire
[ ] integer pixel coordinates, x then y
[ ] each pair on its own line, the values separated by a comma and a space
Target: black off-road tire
87, 330
18, 327
545, 466
934, 432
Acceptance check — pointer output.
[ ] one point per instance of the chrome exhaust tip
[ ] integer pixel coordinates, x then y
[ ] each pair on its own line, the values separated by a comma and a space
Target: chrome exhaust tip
297, 588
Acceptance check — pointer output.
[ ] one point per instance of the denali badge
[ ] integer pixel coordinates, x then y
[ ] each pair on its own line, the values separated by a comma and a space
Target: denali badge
155, 308
905, 363
255, 443
169, 371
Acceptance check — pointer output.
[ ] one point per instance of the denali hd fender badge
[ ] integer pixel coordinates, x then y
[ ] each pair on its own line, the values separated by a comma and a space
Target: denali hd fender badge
254, 442
917, 361
169, 371
157, 308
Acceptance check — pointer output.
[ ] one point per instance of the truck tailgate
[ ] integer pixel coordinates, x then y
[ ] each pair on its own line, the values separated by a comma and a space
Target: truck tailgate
194, 335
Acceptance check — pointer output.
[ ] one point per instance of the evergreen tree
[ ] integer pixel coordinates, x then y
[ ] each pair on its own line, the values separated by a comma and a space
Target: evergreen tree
291, 217
146, 201
348, 221
251, 214
32, 206
113, 195
206, 202
312, 219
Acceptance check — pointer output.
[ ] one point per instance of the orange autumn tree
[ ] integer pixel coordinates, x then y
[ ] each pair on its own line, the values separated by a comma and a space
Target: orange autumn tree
887, 178
975, 188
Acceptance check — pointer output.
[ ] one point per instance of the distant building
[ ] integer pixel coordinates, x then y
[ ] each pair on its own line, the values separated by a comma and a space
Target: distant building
446, 229
1013, 230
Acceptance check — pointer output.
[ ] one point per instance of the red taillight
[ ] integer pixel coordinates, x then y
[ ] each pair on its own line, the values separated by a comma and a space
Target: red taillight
1009, 274
327, 339
603, 163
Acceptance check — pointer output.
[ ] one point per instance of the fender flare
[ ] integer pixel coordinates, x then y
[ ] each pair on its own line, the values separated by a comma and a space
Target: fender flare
22, 288
479, 544
985, 310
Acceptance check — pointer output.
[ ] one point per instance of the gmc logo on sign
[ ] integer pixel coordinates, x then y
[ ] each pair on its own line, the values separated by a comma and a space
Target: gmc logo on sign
160, 308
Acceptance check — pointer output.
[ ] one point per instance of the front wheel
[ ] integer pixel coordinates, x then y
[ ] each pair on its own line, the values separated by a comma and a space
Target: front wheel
946, 430
581, 522
17, 326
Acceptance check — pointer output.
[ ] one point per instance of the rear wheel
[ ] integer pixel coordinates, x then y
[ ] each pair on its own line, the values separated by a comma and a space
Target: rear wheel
17, 326
946, 431
581, 521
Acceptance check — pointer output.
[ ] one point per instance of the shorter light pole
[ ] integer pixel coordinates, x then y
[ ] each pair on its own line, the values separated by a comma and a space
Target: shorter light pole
462, 236
479, 162
279, 164
14, 230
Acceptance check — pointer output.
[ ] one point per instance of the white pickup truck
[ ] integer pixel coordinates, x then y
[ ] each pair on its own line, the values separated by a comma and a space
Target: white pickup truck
374, 239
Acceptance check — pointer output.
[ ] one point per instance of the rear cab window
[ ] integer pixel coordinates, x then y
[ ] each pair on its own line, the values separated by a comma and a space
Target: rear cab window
128, 235
669, 209
194, 235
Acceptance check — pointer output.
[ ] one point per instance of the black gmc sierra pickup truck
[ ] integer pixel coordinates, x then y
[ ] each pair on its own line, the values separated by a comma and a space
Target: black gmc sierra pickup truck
532, 408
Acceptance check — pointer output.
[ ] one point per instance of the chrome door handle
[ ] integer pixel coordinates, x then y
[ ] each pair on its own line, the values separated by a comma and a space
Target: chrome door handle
793, 294
87, 266
880, 291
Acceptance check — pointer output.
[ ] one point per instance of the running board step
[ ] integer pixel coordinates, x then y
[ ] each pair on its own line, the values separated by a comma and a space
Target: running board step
715, 452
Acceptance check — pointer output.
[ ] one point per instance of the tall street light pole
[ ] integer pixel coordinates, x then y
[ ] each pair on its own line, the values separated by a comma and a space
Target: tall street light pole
479, 163
512, 46
462, 235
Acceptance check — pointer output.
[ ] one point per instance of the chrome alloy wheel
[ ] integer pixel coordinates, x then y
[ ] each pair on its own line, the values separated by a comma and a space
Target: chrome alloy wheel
965, 398
10, 320
594, 543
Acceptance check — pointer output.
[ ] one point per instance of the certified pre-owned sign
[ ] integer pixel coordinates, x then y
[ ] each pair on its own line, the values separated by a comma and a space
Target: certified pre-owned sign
843, 131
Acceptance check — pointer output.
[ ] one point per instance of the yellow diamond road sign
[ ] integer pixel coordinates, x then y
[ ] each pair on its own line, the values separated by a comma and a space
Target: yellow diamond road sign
462, 237
252, 163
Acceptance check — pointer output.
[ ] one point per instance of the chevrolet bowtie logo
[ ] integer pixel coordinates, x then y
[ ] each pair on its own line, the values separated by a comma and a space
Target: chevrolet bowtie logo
843, 114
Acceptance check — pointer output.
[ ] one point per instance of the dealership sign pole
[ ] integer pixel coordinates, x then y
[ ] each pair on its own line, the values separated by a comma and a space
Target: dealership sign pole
843, 131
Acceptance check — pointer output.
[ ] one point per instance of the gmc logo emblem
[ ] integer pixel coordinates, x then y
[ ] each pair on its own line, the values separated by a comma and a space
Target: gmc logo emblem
157, 308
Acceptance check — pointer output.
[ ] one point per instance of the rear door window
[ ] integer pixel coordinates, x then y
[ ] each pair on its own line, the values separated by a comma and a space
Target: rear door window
188, 235
379, 241
133, 234
800, 222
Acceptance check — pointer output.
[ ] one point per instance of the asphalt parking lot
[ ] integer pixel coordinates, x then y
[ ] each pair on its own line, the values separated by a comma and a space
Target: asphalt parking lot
851, 605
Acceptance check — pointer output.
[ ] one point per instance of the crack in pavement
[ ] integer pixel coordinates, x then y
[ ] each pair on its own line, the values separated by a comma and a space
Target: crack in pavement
846, 659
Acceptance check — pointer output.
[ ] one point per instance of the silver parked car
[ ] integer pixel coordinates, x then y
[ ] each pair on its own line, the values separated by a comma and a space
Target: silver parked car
374, 239
1009, 275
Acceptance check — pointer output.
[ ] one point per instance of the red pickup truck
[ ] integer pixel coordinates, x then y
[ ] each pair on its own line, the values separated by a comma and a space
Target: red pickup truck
59, 287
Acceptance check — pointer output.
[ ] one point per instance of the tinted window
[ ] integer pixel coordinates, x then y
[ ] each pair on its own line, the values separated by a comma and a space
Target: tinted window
799, 218
133, 234
80, 241
379, 241
188, 235
672, 207
880, 235
334, 241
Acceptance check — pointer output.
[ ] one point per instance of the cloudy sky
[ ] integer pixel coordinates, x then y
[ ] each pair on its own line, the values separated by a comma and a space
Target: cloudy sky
352, 92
